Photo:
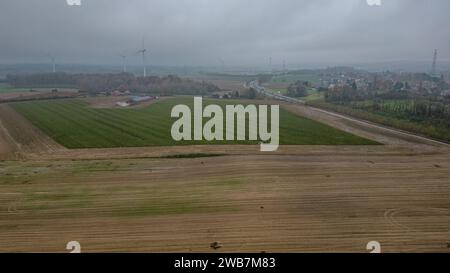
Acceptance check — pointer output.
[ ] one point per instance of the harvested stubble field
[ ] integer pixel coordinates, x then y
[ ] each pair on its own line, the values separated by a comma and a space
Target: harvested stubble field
300, 199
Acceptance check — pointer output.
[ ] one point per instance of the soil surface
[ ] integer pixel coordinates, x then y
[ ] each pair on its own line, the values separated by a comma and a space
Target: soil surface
299, 199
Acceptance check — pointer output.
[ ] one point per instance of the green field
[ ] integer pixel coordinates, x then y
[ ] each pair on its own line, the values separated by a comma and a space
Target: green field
310, 76
9, 89
74, 124
5, 88
282, 91
313, 94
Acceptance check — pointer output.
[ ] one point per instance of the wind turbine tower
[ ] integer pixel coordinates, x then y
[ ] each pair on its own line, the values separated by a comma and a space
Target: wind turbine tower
143, 51
124, 57
53, 62
222, 63
433, 68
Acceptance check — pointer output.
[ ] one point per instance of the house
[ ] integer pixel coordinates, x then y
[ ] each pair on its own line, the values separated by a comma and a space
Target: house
134, 100
117, 93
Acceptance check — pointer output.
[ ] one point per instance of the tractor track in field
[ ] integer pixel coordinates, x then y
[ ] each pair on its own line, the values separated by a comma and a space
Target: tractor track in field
299, 199
249, 203
21, 137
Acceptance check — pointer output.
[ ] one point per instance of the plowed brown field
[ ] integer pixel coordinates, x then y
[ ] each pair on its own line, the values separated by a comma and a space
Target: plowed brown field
299, 199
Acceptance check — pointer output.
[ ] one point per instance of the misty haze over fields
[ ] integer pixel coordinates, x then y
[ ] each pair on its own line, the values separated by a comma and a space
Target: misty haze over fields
234, 32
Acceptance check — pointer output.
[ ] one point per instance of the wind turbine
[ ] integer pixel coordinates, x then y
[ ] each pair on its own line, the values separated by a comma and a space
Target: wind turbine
124, 57
53, 62
222, 63
143, 51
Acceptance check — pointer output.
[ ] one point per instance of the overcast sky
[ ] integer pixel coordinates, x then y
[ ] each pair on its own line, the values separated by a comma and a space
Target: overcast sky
241, 32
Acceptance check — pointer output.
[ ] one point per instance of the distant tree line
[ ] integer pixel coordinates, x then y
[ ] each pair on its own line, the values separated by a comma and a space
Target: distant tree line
438, 128
106, 83
414, 109
397, 103
44, 80
400, 91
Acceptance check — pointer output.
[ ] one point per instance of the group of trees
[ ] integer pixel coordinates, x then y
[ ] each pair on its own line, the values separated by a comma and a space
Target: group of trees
345, 93
252, 93
105, 83
413, 109
398, 103
298, 89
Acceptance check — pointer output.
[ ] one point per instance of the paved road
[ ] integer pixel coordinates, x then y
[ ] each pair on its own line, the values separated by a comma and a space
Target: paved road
269, 93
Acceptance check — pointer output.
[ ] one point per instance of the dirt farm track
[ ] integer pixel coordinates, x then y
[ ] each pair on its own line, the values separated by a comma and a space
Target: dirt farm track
299, 199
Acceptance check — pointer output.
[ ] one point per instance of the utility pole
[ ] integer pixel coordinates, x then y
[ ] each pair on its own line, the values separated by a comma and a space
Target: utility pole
54, 65
433, 68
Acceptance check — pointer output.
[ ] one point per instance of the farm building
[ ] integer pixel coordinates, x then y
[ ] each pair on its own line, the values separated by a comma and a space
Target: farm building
134, 100
138, 99
122, 104
120, 93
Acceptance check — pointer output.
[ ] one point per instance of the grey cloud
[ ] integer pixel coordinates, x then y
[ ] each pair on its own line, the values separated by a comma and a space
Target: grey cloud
246, 32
